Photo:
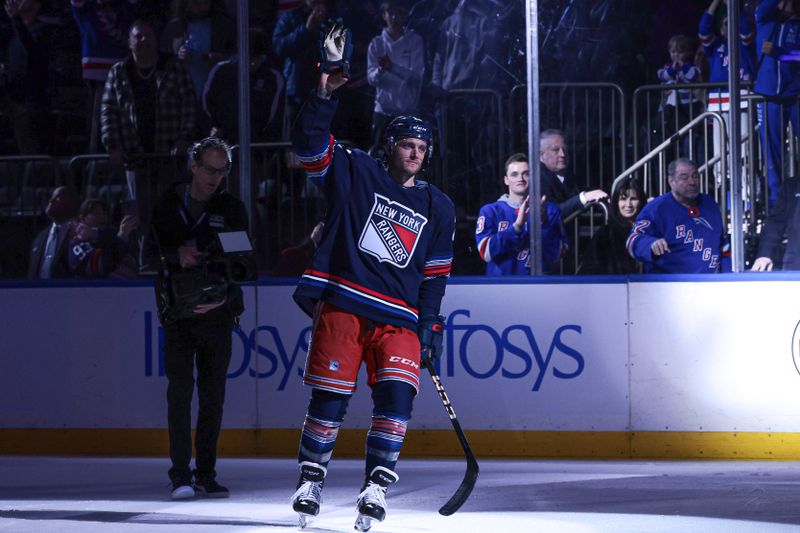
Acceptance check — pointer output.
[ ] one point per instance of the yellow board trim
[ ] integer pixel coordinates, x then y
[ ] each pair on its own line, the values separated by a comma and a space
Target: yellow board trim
423, 443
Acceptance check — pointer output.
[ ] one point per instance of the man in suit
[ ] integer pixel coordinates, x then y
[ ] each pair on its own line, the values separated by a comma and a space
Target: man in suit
49, 250
557, 186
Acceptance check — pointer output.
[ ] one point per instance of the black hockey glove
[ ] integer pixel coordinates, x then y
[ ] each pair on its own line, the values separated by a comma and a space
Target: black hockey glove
335, 48
430, 330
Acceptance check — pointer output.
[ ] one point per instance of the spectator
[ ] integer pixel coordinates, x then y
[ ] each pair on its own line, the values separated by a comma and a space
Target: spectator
48, 257
354, 119
148, 107
559, 187
778, 78
200, 37
98, 250
103, 25
681, 231
607, 253
395, 67
148, 103
502, 232
26, 98
681, 105
295, 42
221, 95
715, 47
782, 223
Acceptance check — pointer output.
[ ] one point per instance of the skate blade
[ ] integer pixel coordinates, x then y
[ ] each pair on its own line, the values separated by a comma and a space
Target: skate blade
363, 523
304, 519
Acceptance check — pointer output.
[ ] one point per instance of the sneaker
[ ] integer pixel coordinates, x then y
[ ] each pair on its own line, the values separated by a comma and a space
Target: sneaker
182, 490
209, 488
308, 496
372, 500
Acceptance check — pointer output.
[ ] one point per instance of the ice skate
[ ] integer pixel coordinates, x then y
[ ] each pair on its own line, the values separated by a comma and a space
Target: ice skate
308, 496
372, 500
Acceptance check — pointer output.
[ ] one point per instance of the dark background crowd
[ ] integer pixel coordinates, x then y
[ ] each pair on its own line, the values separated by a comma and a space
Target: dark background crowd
100, 99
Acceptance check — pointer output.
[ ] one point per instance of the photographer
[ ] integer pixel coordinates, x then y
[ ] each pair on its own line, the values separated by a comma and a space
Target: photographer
197, 325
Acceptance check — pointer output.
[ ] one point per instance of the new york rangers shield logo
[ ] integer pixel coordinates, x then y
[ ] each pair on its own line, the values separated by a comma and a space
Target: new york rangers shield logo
391, 232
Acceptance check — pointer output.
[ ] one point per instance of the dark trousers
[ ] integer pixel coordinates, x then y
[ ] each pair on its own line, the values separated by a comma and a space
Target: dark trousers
209, 344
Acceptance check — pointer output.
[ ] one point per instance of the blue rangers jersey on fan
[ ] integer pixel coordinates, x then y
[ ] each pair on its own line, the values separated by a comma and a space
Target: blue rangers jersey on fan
716, 49
779, 74
387, 249
695, 236
506, 252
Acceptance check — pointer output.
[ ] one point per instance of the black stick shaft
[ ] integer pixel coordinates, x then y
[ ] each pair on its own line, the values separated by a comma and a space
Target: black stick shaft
471, 475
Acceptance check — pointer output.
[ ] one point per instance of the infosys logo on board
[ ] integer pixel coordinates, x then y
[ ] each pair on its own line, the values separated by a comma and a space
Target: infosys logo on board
481, 351
513, 352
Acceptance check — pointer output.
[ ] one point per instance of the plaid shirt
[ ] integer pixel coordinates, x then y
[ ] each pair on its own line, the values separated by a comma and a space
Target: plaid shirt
174, 107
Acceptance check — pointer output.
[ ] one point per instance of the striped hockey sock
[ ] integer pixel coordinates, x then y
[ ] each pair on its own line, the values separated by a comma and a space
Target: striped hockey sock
384, 441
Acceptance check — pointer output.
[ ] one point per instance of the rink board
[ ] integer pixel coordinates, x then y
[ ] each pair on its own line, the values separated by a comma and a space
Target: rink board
595, 367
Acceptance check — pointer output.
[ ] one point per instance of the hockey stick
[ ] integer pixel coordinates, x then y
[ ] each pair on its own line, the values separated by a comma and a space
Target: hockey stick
471, 475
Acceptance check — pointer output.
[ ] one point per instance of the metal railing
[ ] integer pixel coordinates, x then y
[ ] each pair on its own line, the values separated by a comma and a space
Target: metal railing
593, 116
572, 221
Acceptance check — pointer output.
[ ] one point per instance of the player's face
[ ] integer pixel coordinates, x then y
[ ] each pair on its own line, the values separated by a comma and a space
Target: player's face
685, 183
553, 153
209, 172
408, 155
629, 203
516, 179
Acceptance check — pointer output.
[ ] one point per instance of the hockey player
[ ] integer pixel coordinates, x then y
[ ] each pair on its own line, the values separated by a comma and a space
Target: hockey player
502, 232
374, 289
681, 231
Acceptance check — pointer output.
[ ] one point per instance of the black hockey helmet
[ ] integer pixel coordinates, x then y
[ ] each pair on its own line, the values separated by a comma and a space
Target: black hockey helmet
404, 126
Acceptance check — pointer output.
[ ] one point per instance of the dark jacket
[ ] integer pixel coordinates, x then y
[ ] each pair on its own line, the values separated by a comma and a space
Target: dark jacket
784, 219
173, 226
174, 107
565, 195
59, 267
607, 253
297, 47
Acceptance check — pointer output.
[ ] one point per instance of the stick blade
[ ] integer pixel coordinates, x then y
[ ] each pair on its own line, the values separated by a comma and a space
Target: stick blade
464, 490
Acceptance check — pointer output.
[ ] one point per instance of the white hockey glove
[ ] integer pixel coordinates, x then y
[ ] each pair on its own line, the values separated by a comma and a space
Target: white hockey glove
335, 48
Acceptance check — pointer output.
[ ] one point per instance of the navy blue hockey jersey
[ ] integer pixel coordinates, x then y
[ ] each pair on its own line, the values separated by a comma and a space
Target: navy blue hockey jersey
696, 237
387, 249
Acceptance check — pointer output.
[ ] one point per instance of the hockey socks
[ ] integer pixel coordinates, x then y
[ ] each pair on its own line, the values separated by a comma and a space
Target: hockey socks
326, 411
384, 441
393, 401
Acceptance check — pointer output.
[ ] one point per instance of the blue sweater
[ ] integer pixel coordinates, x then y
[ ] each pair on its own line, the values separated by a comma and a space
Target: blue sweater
507, 253
696, 238
387, 249
716, 49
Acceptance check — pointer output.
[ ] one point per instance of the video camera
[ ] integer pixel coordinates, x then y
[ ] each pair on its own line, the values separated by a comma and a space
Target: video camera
229, 259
